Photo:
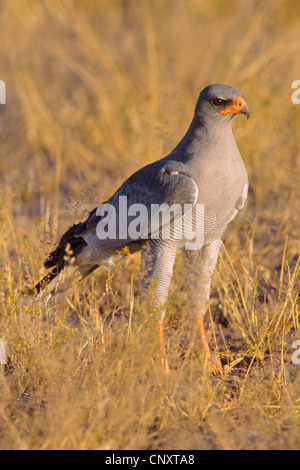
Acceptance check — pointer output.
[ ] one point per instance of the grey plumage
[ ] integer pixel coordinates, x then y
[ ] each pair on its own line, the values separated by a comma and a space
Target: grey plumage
206, 168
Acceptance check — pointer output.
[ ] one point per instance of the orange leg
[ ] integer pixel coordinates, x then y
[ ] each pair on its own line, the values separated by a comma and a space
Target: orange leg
163, 347
213, 366
202, 336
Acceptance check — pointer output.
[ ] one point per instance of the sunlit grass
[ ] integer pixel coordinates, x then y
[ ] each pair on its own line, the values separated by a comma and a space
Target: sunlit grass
95, 90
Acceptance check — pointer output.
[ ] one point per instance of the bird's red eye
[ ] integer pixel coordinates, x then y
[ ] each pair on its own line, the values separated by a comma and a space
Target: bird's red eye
219, 102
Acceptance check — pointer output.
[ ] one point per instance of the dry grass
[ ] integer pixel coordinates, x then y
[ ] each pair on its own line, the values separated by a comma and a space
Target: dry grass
94, 91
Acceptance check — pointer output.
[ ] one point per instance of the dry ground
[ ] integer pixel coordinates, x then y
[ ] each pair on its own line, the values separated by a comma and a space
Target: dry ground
94, 91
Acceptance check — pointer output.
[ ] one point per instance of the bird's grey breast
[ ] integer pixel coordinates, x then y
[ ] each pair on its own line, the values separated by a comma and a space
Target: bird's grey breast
221, 177
222, 181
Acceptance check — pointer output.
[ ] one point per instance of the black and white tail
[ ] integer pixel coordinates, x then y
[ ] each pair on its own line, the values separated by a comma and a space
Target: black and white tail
63, 264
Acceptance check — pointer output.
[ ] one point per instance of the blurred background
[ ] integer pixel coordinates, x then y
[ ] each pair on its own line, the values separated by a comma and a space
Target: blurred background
95, 90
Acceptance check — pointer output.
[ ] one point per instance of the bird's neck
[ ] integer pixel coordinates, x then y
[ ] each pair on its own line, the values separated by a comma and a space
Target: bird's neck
201, 135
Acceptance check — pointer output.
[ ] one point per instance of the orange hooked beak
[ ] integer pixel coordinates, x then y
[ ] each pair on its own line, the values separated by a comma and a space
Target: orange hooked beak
238, 106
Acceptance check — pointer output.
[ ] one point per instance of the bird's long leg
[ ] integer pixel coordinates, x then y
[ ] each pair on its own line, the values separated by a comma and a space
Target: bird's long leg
156, 272
202, 268
199, 323
162, 346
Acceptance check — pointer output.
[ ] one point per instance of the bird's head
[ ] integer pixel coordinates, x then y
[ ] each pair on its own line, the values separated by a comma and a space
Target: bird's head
220, 103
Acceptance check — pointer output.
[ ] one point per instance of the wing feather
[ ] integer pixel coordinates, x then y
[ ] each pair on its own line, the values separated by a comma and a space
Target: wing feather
155, 184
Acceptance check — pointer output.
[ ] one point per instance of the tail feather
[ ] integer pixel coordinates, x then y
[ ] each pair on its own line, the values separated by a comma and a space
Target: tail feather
44, 282
63, 257
66, 259
62, 260
76, 245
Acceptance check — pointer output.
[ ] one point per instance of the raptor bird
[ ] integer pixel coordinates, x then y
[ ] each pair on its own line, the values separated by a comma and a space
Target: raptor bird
205, 170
